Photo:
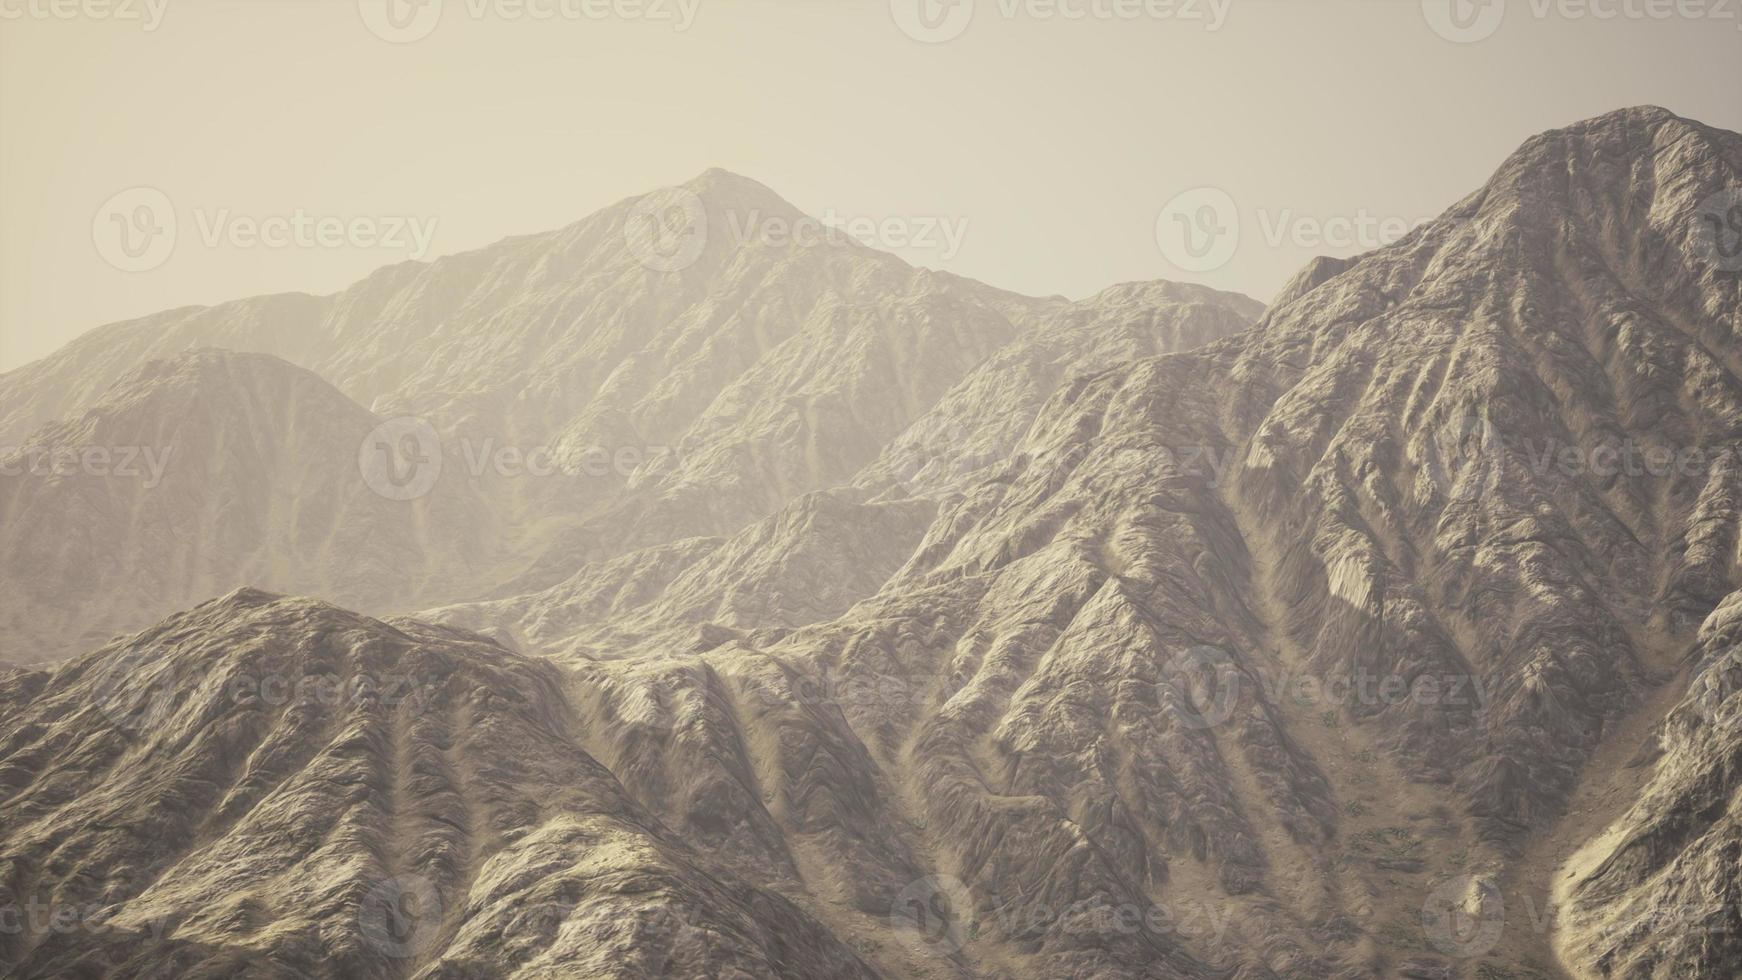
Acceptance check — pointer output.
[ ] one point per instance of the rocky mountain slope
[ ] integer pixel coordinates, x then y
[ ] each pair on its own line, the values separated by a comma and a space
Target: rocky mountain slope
778, 364
578, 395
1413, 539
278, 788
1392, 637
206, 469
1658, 892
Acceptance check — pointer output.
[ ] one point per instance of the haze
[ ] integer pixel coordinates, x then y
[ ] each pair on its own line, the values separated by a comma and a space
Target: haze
1053, 144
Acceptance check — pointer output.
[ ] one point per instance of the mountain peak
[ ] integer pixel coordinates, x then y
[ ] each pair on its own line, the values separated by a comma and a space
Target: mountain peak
245, 597
839, 578
1152, 292
722, 176
726, 190
1634, 134
1638, 115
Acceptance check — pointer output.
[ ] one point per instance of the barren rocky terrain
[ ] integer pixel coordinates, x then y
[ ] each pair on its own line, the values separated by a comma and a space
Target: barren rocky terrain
925, 630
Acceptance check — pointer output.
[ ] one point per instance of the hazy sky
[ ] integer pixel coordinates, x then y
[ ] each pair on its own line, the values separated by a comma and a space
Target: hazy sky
1052, 142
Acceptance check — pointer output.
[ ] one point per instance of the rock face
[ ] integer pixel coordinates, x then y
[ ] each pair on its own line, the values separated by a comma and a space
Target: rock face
276, 787
975, 636
586, 394
983, 418
1659, 892
203, 470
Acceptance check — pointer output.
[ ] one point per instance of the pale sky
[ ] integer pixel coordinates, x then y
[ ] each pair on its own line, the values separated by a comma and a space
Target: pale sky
1053, 144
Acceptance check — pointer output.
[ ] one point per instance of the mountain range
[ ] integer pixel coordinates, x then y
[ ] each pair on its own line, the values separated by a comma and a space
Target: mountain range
698, 605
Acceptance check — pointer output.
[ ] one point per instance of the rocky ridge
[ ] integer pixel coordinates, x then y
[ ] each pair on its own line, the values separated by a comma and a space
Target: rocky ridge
1290, 655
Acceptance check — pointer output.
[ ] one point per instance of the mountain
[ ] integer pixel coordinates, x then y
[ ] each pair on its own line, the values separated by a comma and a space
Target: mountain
1322, 626
1390, 637
205, 469
1655, 892
278, 788
750, 346
981, 420
588, 396
809, 562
